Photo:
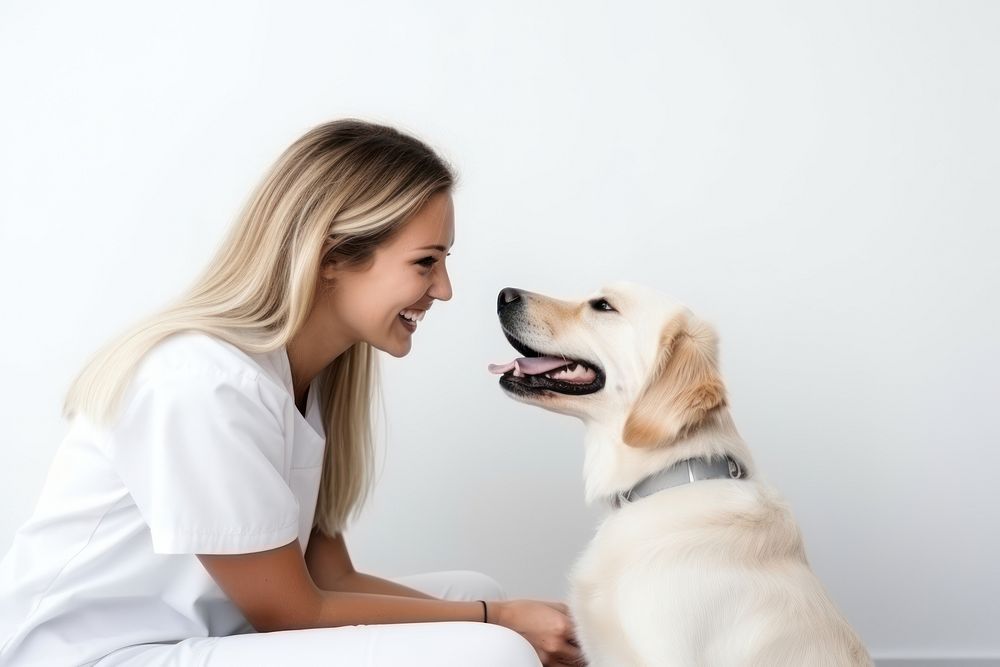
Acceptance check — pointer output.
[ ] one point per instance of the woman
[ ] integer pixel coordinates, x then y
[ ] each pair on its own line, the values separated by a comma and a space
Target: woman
216, 451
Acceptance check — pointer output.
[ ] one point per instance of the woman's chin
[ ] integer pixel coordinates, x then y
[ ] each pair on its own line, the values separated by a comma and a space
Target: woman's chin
399, 353
396, 348
397, 342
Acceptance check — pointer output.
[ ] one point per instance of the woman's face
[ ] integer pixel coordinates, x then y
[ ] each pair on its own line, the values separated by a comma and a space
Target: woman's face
407, 274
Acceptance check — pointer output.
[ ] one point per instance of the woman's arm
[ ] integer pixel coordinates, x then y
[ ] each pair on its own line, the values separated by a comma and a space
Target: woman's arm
275, 592
331, 569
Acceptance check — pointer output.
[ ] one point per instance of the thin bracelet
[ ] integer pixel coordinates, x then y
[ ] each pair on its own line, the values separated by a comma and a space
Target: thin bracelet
484, 611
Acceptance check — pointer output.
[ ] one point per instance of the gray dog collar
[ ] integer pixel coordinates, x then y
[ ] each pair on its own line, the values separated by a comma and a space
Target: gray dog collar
682, 472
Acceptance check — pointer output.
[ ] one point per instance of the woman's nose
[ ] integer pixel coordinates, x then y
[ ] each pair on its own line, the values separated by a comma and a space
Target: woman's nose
442, 287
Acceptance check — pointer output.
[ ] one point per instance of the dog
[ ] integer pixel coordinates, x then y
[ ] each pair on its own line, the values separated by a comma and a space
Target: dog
699, 561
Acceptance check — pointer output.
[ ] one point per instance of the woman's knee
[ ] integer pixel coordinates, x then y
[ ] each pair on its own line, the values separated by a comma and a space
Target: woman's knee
473, 585
497, 646
456, 585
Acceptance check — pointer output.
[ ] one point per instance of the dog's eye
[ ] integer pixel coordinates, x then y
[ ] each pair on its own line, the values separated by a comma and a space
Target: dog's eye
601, 304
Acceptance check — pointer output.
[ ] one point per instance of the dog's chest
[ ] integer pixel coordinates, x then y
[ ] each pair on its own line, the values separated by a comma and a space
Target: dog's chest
629, 594
595, 600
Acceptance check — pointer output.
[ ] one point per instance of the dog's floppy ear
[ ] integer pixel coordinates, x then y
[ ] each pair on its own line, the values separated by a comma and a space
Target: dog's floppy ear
683, 388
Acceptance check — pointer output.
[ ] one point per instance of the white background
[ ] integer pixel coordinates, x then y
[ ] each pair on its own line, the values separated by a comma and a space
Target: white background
817, 180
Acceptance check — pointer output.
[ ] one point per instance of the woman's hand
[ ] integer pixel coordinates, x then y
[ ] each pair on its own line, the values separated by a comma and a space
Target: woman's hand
546, 625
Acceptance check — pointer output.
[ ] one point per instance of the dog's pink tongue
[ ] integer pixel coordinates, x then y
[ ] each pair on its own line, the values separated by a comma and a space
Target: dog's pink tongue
530, 365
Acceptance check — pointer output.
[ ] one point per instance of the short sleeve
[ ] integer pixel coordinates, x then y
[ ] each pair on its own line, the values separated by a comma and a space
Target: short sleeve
203, 455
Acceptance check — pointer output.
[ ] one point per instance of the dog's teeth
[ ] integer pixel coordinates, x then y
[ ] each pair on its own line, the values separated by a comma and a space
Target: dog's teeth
559, 374
576, 373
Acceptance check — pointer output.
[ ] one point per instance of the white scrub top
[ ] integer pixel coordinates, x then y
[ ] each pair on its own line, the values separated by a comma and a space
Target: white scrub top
208, 455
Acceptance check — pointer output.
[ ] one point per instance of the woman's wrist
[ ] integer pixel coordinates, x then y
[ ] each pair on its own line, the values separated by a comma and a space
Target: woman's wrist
495, 612
489, 610
486, 611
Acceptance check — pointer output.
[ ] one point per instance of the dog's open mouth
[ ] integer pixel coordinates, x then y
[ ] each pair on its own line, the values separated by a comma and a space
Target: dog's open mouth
537, 372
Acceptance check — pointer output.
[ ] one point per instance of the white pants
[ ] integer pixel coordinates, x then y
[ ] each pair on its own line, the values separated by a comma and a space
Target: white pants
440, 644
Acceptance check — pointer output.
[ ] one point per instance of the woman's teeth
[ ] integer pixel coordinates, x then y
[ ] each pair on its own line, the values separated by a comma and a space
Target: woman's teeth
412, 316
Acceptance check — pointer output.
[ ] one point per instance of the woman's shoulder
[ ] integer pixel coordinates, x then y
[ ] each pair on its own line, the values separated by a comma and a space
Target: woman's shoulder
198, 353
204, 378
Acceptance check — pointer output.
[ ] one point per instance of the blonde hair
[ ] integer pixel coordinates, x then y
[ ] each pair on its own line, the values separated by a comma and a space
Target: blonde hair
333, 195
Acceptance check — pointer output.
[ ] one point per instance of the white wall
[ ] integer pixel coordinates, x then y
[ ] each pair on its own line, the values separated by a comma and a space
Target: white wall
819, 180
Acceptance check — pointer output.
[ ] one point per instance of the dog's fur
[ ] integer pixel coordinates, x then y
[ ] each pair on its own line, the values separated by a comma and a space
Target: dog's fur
712, 572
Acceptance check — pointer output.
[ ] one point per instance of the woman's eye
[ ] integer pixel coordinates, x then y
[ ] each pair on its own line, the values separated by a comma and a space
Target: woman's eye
601, 304
428, 262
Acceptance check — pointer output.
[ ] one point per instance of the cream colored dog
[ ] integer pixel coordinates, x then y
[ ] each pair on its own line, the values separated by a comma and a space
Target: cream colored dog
700, 565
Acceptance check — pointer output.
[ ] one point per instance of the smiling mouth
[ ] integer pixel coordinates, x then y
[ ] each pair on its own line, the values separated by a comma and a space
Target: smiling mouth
410, 317
536, 373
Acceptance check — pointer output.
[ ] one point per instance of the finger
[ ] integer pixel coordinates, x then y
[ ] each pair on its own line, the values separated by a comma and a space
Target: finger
570, 654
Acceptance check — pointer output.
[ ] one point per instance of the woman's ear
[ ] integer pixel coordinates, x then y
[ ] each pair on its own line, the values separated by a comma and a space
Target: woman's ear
328, 270
683, 388
328, 264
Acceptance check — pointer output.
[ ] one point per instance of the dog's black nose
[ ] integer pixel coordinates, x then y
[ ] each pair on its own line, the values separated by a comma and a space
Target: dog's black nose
507, 296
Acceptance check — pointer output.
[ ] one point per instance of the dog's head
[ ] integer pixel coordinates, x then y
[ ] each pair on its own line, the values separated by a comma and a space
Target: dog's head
625, 355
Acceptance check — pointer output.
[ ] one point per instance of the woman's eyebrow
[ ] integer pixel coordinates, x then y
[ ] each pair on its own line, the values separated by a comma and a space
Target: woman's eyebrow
439, 248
